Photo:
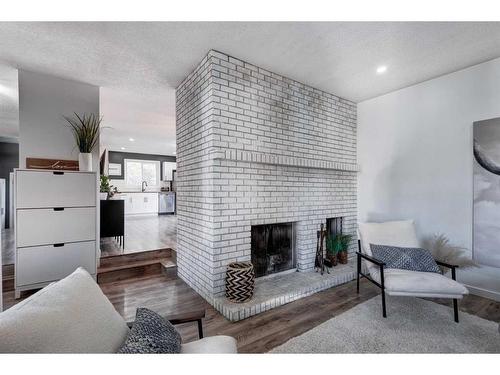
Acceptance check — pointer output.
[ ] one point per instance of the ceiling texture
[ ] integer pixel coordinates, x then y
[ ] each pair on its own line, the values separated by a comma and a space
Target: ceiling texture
142, 63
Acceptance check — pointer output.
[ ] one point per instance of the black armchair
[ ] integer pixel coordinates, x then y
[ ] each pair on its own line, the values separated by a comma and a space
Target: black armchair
381, 266
381, 285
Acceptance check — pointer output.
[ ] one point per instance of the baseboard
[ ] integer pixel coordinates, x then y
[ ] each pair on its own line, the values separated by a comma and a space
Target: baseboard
483, 292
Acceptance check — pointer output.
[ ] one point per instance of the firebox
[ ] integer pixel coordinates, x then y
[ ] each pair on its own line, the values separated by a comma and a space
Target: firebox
273, 248
334, 226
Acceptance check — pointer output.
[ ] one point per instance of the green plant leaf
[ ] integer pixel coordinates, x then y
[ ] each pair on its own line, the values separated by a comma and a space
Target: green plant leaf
85, 130
105, 186
338, 243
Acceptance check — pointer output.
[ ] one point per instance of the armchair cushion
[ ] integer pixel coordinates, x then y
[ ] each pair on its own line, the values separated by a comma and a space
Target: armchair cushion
391, 233
420, 284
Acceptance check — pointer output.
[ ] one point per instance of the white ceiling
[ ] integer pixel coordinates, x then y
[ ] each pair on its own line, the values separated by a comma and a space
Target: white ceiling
141, 63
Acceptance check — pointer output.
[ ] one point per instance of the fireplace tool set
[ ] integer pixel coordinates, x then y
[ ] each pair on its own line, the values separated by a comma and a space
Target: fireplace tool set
319, 263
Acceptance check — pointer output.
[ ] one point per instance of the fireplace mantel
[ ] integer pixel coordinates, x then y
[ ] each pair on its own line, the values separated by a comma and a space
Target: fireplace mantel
266, 158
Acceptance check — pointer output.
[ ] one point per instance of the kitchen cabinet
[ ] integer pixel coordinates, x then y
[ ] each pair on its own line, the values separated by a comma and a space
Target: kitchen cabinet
168, 168
140, 203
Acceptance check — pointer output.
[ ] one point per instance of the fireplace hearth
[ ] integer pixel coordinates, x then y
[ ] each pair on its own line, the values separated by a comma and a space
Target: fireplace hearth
273, 248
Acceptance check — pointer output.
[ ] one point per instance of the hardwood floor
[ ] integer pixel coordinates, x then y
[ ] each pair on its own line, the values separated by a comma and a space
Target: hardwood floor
8, 252
144, 232
483, 307
260, 333
257, 334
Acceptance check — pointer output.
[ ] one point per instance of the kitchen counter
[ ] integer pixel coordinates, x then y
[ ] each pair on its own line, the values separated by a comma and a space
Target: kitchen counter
141, 192
148, 202
138, 202
146, 192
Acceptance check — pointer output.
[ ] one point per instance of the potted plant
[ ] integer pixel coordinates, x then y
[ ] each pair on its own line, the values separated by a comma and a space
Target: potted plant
336, 248
342, 242
85, 129
107, 190
105, 187
331, 250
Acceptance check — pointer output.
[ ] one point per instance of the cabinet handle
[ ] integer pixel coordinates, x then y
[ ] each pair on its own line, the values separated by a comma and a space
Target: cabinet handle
58, 208
58, 245
58, 173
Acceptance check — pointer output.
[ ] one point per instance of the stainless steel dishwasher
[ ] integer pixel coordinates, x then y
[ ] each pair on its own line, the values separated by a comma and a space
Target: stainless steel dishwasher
166, 202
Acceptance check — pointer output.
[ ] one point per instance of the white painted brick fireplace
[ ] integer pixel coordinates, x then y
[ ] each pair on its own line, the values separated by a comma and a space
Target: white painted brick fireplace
253, 148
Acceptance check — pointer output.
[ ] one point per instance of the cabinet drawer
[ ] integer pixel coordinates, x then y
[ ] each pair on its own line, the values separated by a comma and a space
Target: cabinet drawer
55, 189
40, 264
49, 226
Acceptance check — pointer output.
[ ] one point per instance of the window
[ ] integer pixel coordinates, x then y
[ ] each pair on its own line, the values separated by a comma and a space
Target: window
137, 171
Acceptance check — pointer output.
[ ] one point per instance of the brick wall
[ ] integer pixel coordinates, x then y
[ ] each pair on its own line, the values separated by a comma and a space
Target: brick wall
194, 135
253, 148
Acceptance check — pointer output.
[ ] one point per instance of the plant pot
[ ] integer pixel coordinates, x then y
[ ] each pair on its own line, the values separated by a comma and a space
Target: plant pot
103, 196
342, 257
332, 258
85, 161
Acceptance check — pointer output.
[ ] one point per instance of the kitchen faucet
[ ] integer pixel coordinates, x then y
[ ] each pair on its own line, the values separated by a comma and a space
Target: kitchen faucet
144, 184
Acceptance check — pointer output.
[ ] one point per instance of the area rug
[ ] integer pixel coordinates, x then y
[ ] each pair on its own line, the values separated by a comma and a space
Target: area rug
413, 325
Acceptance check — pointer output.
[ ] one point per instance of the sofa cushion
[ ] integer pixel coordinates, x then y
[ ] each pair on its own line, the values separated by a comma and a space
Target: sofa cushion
69, 316
151, 334
420, 284
211, 345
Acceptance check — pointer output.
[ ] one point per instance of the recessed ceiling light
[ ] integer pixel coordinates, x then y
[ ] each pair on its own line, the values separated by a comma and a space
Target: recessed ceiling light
381, 69
131, 139
123, 148
174, 152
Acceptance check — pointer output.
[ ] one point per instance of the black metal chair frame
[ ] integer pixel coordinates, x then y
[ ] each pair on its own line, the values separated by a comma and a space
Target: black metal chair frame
381, 285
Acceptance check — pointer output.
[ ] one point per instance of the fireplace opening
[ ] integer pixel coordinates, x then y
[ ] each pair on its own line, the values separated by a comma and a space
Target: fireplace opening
273, 248
333, 226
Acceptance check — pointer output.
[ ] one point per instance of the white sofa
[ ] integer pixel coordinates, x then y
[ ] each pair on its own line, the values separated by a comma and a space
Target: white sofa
397, 282
74, 316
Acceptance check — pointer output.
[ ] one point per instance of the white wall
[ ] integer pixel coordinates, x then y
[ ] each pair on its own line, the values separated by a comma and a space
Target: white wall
415, 151
43, 101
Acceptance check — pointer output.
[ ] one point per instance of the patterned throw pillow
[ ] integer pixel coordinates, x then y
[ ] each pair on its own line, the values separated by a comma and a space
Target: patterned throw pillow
151, 334
405, 258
